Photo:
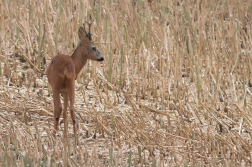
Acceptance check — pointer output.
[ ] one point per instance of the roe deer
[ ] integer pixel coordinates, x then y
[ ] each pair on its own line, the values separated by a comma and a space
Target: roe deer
62, 72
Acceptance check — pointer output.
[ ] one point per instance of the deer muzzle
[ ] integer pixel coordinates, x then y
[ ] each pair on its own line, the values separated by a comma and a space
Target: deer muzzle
101, 59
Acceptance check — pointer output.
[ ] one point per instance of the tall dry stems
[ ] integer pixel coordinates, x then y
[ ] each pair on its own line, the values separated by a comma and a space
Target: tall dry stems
175, 87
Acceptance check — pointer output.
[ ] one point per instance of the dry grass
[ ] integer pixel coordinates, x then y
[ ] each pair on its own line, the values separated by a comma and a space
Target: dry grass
174, 90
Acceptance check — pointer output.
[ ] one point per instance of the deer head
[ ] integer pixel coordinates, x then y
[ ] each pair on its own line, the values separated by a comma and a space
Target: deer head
89, 50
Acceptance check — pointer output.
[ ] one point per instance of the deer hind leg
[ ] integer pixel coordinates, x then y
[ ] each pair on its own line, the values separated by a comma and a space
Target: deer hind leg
71, 94
65, 113
57, 108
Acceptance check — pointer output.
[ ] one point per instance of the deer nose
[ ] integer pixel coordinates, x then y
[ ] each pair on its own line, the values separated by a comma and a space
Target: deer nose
101, 59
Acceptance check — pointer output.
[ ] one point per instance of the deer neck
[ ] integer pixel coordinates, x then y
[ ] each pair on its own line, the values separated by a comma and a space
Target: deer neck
78, 59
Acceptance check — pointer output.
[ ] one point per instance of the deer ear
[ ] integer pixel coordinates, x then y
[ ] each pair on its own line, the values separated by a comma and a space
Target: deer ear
82, 33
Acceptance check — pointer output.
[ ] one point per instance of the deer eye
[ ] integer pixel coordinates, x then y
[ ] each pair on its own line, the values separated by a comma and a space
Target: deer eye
94, 48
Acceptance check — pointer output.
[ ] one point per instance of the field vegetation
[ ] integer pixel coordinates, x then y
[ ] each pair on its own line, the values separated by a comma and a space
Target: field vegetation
174, 89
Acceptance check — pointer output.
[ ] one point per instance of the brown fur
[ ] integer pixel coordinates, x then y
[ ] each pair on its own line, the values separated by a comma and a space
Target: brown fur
61, 74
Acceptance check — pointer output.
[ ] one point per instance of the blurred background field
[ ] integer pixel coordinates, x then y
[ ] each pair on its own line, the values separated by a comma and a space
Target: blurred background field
174, 89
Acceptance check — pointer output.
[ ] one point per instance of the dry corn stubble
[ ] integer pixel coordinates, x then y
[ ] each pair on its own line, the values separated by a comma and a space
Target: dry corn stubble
175, 88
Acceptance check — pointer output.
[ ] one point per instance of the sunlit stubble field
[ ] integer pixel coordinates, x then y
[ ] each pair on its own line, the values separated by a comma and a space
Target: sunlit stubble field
174, 89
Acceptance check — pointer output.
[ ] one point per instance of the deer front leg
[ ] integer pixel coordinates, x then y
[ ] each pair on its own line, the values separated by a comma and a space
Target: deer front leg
71, 93
73, 117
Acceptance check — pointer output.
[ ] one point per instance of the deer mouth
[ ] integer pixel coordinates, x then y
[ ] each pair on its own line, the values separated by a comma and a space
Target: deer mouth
101, 59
